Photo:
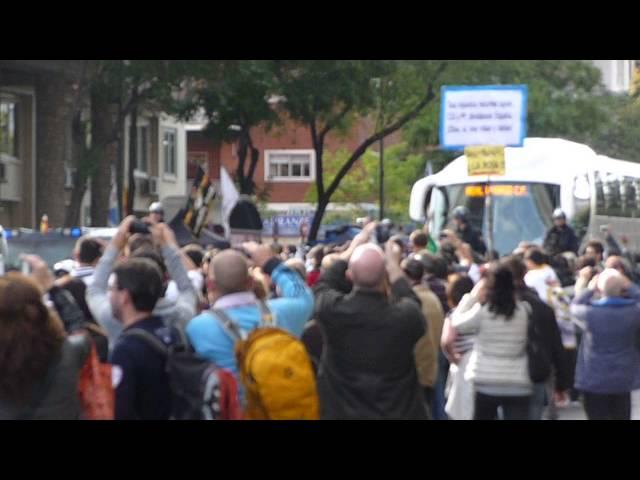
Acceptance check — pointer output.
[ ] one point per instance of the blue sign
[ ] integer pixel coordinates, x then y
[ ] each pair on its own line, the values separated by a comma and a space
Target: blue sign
285, 225
483, 115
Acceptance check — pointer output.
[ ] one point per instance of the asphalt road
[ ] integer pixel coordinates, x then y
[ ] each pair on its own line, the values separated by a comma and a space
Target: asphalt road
576, 412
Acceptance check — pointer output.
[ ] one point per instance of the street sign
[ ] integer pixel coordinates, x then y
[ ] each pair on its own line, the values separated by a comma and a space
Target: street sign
483, 115
485, 160
285, 225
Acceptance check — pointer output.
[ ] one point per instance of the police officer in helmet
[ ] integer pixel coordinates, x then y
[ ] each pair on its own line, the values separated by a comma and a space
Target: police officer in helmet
156, 212
561, 237
465, 231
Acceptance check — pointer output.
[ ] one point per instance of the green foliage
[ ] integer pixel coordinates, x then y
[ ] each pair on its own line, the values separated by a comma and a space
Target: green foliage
343, 217
362, 183
231, 93
566, 100
329, 95
619, 137
328, 92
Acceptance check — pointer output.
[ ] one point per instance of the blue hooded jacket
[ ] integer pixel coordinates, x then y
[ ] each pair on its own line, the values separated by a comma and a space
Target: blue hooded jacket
609, 357
291, 312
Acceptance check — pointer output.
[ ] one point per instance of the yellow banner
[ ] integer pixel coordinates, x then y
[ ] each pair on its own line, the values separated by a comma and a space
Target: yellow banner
485, 160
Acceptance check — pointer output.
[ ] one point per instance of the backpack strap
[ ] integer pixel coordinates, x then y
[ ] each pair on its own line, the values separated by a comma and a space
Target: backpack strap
232, 329
229, 325
184, 341
148, 338
95, 328
268, 318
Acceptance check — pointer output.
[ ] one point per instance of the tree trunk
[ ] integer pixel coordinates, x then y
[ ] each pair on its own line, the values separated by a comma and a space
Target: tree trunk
243, 146
318, 142
74, 212
120, 174
133, 163
103, 153
79, 152
53, 92
323, 202
255, 157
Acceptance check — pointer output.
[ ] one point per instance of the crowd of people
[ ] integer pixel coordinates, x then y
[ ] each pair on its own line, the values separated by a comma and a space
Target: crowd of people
384, 326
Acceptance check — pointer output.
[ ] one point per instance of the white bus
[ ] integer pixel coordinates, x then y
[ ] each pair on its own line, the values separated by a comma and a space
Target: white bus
593, 190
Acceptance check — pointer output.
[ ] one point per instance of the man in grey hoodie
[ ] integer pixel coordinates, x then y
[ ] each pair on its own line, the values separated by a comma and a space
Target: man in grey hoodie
176, 313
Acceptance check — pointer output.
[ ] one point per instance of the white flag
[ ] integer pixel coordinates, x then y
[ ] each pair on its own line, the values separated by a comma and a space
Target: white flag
230, 195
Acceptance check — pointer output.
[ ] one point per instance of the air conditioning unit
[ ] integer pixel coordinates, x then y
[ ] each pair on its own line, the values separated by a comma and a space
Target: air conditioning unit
69, 174
142, 186
153, 185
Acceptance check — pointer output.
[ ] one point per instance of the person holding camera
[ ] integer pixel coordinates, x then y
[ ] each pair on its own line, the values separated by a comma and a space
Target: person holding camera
371, 321
608, 357
178, 312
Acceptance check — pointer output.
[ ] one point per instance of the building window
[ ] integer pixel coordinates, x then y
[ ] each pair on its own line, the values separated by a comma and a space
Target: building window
143, 149
170, 150
289, 165
8, 127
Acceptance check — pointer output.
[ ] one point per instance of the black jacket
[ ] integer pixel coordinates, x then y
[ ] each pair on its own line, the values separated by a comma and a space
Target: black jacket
368, 368
473, 238
559, 240
142, 391
543, 313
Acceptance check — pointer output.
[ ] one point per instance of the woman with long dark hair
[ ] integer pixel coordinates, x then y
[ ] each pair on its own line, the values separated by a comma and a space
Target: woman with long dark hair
498, 366
39, 364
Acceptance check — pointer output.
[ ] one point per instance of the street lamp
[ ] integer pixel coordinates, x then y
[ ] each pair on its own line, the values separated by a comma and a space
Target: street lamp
377, 82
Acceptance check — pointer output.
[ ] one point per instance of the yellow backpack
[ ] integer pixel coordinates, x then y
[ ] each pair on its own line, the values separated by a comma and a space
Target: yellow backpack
275, 370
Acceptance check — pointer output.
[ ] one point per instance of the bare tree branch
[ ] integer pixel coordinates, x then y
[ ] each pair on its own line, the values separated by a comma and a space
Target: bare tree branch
334, 121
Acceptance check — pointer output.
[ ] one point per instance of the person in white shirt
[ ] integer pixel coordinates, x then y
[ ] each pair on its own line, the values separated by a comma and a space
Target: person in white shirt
86, 253
498, 365
192, 258
540, 276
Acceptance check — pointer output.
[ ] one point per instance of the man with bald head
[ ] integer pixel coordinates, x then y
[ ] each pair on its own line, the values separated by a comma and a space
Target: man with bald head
608, 358
371, 321
367, 267
230, 288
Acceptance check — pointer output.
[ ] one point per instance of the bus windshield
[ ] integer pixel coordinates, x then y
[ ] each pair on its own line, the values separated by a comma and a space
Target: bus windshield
521, 212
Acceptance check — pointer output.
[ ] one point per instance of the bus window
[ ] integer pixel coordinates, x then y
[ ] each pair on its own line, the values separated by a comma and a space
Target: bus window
636, 204
582, 205
612, 200
437, 211
600, 205
630, 198
520, 211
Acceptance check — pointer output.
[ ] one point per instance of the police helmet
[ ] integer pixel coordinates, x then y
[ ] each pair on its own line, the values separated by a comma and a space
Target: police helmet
559, 214
156, 207
460, 213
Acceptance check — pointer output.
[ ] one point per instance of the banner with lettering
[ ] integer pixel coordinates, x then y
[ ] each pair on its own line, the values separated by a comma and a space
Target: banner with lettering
485, 160
483, 115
